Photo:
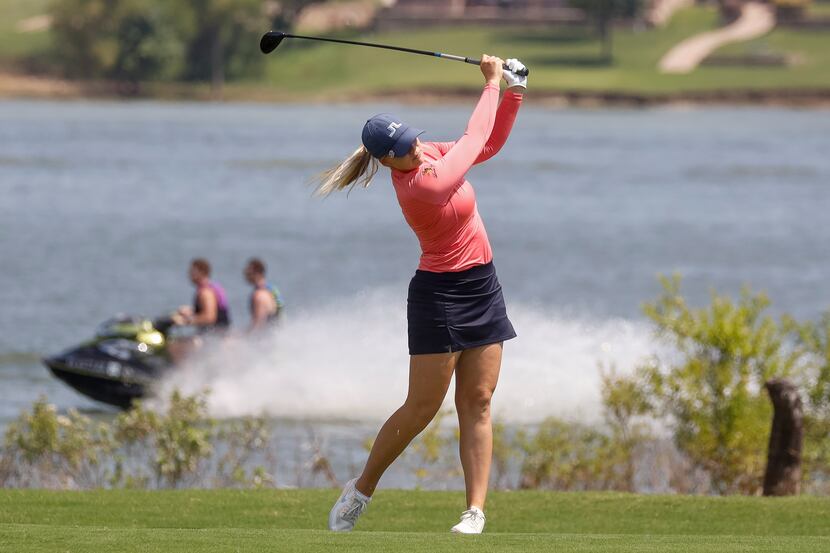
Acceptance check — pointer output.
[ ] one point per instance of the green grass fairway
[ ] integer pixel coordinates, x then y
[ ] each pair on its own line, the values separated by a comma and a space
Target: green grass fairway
294, 520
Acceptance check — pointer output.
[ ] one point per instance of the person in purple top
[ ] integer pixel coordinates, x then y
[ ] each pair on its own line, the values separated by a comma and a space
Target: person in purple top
209, 313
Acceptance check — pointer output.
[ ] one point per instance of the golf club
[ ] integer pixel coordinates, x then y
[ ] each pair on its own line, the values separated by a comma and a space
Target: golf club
272, 39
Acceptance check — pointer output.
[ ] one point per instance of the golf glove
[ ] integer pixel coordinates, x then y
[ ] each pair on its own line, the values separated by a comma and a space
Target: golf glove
511, 77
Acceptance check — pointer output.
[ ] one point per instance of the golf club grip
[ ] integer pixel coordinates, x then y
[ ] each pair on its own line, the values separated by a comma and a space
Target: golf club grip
522, 73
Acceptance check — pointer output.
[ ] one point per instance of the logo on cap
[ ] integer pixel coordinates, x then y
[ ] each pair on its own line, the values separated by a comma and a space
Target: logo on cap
392, 128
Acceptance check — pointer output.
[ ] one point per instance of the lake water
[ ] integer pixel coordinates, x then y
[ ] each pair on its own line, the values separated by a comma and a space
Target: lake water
102, 205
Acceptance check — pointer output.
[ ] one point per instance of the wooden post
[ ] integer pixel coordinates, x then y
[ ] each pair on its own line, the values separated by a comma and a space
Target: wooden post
783, 475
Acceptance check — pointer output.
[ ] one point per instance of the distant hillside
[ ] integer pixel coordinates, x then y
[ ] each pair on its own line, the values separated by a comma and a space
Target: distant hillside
564, 62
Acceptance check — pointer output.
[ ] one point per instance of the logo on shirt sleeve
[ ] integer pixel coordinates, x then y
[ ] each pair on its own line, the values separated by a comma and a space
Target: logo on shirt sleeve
429, 170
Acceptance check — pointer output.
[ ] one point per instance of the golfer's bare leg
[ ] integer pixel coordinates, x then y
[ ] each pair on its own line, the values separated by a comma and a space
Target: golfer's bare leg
475, 381
429, 379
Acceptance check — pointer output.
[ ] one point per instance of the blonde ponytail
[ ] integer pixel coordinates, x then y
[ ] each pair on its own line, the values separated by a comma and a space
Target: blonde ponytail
358, 168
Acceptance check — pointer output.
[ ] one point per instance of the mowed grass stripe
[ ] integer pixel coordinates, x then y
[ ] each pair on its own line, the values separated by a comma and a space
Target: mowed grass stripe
421, 511
41, 538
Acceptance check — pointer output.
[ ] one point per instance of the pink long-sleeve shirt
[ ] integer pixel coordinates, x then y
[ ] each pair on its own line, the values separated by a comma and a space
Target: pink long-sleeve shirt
436, 199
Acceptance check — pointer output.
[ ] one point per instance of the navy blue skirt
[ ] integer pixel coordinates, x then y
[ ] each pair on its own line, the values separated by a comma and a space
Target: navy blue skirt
448, 312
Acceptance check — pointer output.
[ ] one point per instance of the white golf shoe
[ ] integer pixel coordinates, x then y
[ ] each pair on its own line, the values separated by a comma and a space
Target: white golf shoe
348, 508
472, 522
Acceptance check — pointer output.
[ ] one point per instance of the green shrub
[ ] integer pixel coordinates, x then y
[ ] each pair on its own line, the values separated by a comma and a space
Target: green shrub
140, 448
814, 379
44, 448
709, 387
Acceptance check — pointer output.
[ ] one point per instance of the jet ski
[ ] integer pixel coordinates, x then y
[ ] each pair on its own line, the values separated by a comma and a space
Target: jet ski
127, 356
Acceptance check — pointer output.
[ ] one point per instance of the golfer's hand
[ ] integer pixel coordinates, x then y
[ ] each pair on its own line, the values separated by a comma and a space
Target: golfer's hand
491, 68
511, 76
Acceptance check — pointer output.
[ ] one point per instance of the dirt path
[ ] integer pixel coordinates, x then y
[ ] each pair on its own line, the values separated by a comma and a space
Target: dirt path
756, 19
24, 86
662, 11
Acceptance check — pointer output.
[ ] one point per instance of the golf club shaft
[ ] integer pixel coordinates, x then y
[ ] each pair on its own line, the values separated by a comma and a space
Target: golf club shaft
453, 57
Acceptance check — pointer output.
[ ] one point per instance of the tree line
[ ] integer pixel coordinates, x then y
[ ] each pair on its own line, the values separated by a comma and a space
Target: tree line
133, 41
129, 42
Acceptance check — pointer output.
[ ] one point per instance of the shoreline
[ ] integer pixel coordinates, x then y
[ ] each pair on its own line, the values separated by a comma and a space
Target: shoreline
795, 98
26, 87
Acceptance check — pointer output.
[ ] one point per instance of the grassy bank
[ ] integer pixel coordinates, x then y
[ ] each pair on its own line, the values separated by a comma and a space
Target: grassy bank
559, 60
563, 63
16, 43
267, 520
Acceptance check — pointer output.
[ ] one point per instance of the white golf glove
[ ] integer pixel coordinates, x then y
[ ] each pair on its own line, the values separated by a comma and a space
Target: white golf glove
511, 77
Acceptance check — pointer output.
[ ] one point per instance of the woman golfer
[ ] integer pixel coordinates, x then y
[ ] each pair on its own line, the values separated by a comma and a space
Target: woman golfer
455, 310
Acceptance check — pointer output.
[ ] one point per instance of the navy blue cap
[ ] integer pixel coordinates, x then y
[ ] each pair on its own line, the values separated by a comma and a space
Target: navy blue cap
385, 134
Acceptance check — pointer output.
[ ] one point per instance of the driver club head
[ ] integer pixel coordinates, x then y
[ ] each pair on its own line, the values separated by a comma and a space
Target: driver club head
270, 41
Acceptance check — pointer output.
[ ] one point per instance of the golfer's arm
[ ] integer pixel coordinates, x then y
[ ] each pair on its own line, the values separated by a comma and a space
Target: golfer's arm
436, 187
505, 117
443, 147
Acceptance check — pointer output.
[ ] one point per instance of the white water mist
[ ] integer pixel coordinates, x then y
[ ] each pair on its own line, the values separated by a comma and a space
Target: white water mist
348, 360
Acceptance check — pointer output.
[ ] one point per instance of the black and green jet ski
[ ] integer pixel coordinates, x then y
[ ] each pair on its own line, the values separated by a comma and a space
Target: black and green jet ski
122, 363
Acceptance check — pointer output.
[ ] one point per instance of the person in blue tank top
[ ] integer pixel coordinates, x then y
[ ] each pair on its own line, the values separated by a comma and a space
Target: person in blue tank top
266, 301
